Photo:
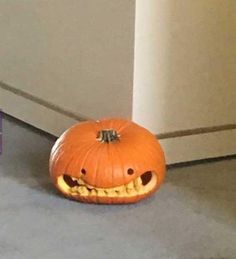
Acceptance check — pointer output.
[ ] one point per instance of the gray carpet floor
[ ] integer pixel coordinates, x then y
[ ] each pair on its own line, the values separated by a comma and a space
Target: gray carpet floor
193, 215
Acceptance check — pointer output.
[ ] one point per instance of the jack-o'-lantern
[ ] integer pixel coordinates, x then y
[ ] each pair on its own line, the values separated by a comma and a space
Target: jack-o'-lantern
107, 161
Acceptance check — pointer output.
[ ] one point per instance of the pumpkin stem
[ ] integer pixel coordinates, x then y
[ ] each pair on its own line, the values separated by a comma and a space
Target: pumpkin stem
108, 135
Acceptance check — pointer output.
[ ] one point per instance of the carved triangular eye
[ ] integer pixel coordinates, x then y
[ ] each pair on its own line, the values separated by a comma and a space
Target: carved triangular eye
146, 177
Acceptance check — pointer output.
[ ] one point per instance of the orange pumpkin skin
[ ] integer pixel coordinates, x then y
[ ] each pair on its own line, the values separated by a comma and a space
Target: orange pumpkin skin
107, 161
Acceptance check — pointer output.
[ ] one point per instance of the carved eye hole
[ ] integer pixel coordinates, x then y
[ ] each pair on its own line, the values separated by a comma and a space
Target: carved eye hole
146, 177
83, 171
130, 171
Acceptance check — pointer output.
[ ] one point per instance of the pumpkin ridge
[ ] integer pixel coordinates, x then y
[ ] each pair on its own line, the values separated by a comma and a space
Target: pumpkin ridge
119, 158
110, 150
87, 154
55, 160
76, 149
97, 166
124, 127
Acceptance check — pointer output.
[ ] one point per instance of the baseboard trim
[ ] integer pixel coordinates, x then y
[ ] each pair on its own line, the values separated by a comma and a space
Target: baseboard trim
42, 102
198, 147
201, 161
34, 112
196, 131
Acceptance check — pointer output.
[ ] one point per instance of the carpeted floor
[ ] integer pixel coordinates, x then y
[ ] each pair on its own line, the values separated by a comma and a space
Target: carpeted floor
192, 216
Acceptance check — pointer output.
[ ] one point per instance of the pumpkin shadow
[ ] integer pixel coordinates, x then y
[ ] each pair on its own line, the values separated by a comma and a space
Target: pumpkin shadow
25, 156
37, 176
207, 188
116, 209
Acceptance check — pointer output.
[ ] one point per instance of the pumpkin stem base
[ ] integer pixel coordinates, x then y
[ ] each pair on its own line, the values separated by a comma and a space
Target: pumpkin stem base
108, 135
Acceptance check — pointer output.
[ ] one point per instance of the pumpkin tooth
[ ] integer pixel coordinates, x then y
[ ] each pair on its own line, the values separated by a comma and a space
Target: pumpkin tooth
73, 189
80, 189
83, 190
101, 192
117, 193
93, 192
98, 189
140, 189
108, 191
112, 193
131, 192
130, 185
80, 181
86, 192
119, 188
138, 183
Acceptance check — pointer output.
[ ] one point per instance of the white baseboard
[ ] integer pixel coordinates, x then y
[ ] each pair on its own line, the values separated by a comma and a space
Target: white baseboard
200, 146
35, 114
177, 149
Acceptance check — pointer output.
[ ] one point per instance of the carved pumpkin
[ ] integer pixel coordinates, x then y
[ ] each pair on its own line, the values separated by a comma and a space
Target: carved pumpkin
107, 161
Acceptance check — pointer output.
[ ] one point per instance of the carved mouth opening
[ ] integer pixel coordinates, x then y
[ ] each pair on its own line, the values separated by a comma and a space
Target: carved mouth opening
77, 186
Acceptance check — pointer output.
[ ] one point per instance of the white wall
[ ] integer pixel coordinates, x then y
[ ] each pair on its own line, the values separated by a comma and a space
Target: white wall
75, 54
185, 76
185, 64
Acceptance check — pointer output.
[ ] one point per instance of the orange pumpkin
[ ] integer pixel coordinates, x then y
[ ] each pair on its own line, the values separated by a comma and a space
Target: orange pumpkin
107, 161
